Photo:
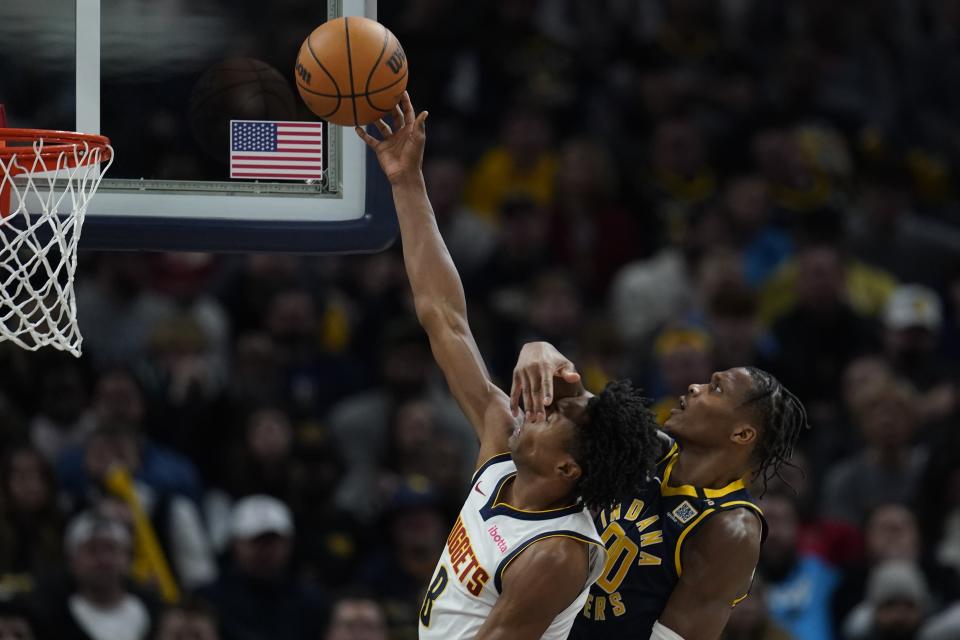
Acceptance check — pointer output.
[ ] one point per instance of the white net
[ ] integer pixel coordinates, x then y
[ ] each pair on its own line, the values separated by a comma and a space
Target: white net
43, 199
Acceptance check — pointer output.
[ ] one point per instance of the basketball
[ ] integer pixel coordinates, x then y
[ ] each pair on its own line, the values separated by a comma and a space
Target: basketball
351, 71
237, 89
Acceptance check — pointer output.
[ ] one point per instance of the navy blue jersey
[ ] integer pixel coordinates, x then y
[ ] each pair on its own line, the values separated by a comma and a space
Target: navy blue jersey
644, 537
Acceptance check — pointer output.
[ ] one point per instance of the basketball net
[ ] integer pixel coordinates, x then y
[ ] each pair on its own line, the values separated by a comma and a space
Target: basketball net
47, 179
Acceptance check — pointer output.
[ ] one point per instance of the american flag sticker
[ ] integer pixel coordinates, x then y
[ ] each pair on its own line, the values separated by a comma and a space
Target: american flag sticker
270, 150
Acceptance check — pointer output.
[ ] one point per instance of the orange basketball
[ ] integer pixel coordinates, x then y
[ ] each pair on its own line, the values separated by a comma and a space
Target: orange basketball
351, 71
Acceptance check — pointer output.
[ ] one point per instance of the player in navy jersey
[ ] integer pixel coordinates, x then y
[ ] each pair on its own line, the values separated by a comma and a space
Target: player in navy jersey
682, 552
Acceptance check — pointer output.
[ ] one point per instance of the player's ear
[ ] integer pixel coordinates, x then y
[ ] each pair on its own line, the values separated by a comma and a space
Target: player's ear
744, 433
568, 469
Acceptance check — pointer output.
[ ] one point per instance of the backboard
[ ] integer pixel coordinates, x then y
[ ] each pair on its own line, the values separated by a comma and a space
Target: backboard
163, 79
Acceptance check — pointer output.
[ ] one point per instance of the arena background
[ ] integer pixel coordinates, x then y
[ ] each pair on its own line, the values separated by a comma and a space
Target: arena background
661, 188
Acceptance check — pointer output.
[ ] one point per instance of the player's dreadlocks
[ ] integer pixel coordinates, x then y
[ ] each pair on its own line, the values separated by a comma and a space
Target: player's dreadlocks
617, 446
782, 418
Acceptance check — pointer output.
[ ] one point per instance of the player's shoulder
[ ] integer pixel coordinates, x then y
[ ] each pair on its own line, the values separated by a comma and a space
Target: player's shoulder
555, 549
495, 466
736, 531
723, 554
551, 556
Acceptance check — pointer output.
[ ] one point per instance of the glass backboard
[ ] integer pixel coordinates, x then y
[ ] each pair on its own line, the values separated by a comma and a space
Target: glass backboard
164, 79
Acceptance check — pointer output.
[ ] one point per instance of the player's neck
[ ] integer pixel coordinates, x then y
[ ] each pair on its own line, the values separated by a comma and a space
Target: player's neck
707, 468
530, 492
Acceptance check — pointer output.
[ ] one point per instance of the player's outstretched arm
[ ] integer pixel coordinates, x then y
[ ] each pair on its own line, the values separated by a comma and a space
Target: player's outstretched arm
437, 291
717, 568
537, 586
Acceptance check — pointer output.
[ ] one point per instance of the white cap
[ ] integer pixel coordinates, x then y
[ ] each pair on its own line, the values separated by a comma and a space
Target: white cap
89, 525
913, 305
257, 515
897, 580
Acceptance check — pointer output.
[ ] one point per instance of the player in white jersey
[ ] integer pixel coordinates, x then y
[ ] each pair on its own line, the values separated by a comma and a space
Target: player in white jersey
485, 539
523, 553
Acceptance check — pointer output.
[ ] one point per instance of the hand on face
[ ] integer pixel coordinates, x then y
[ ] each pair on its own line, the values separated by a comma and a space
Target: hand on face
542, 374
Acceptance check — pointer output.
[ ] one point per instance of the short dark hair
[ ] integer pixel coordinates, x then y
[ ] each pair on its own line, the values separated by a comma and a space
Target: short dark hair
781, 416
357, 593
617, 446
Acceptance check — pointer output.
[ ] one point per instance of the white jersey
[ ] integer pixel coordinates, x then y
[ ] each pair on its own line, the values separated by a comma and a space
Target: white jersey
486, 537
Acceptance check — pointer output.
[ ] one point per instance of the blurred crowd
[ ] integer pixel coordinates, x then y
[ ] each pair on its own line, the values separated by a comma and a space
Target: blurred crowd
260, 447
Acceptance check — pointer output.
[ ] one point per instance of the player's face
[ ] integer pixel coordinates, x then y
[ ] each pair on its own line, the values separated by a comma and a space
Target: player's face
708, 412
541, 443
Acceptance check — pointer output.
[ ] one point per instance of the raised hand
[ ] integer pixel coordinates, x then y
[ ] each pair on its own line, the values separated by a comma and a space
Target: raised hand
400, 152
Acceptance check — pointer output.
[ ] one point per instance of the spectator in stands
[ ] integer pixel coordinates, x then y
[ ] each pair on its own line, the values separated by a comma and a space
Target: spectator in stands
896, 606
860, 378
590, 231
264, 460
186, 278
938, 500
912, 320
522, 247
413, 429
889, 466
886, 233
17, 622
415, 529
361, 423
190, 620
63, 418
764, 245
416, 447
549, 307
256, 379
314, 377
836, 542
522, 165
357, 616
97, 604
260, 596
649, 292
681, 177
738, 338
799, 586
892, 534
331, 541
115, 310
470, 238
119, 401
795, 185
301, 470
183, 383
31, 527
252, 281
117, 450
821, 335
